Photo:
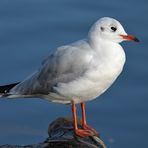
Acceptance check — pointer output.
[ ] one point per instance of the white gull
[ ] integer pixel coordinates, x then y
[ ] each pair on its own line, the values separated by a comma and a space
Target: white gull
77, 72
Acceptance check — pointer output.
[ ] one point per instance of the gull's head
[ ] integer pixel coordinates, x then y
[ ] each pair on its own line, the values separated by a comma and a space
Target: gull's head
109, 29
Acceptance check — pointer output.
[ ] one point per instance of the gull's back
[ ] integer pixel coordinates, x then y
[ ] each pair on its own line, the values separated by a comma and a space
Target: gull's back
66, 64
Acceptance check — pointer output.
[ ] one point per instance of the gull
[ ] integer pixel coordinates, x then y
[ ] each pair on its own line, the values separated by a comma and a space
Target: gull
77, 72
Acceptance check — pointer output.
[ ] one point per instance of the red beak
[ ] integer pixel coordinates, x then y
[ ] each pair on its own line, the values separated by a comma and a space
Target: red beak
129, 38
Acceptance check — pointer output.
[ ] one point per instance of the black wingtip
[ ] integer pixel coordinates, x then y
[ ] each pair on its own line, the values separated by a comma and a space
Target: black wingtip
6, 88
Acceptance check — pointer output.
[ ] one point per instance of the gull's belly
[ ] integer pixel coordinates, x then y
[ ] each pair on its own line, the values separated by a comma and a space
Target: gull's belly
96, 87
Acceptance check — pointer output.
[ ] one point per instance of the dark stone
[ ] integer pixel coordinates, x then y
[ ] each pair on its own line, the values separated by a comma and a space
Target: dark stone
61, 135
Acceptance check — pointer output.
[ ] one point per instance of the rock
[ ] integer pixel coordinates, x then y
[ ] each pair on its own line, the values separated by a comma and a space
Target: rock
61, 135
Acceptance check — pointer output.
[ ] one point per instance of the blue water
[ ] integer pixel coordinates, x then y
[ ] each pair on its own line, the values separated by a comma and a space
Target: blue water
30, 29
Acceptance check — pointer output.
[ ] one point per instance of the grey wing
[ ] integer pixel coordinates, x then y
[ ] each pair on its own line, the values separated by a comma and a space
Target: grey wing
65, 65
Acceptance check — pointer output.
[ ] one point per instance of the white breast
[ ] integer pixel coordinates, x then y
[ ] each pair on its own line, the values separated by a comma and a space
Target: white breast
106, 66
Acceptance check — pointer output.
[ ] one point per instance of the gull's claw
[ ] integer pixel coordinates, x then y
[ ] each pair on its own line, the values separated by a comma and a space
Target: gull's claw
83, 133
89, 128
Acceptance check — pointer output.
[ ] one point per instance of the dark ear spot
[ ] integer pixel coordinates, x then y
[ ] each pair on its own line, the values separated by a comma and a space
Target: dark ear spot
102, 28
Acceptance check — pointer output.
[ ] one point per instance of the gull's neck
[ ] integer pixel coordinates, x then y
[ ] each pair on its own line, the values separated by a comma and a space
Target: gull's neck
106, 49
98, 44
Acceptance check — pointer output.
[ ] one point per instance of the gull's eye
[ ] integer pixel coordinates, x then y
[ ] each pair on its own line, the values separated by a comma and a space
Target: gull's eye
113, 29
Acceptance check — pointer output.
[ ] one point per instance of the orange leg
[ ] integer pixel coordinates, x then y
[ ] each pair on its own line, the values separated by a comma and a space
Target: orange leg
79, 132
84, 124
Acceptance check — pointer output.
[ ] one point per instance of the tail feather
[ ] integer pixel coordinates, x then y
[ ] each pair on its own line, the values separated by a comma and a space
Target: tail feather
6, 88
